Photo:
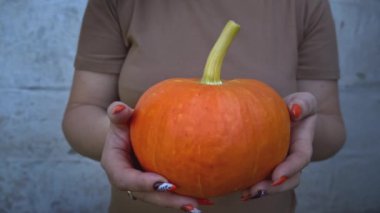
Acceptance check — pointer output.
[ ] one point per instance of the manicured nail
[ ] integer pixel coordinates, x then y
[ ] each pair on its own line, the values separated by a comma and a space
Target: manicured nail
118, 108
296, 111
204, 201
164, 187
190, 209
245, 196
259, 194
280, 181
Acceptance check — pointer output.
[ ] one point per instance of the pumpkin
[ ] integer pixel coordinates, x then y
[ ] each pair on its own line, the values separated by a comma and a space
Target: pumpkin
211, 137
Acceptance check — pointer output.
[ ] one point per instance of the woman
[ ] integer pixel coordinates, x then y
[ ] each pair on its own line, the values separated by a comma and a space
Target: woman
126, 46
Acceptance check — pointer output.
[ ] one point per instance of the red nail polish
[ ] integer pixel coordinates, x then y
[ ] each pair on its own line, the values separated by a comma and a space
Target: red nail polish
118, 108
248, 196
204, 201
245, 196
280, 181
190, 209
296, 111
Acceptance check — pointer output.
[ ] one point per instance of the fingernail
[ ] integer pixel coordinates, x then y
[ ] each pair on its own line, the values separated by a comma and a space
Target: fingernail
164, 187
259, 194
204, 201
118, 108
245, 196
296, 111
280, 181
190, 209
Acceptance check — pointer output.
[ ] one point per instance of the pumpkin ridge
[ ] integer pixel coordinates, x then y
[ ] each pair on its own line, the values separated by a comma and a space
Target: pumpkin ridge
200, 185
156, 143
244, 106
156, 150
155, 167
260, 96
199, 175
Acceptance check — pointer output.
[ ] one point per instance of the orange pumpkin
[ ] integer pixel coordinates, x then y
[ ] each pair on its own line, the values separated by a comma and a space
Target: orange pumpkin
211, 137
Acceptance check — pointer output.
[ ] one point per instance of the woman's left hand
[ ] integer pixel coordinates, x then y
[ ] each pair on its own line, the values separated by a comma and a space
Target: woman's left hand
286, 176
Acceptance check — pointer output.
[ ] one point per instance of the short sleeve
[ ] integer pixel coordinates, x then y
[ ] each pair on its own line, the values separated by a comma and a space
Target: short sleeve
101, 47
317, 51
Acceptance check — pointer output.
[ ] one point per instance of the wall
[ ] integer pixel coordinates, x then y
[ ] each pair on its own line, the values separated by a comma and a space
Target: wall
38, 170
40, 173
349, 182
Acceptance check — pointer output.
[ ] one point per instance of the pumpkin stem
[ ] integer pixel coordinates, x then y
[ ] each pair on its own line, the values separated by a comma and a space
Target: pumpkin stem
213, 68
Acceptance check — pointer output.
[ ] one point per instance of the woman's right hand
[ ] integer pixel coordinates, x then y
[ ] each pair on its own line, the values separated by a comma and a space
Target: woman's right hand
120, 165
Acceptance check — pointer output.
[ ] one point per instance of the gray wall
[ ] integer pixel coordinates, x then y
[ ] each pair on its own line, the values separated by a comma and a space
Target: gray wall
40, 173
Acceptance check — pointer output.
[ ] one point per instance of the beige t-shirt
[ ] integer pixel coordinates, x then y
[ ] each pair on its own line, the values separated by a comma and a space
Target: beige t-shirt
146, 41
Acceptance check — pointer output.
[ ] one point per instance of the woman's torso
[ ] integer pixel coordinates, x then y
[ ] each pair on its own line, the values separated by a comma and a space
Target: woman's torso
171, 38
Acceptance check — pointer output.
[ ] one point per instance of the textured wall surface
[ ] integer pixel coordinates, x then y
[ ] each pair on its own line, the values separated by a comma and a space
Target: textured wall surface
40, 173
38, 170
349, 182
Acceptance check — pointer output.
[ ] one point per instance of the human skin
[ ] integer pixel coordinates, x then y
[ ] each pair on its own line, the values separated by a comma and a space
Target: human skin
97, 133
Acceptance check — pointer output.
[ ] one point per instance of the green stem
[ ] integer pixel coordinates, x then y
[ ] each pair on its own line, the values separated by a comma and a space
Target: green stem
213, 68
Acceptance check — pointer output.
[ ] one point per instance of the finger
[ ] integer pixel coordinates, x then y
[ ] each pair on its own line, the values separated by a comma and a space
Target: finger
265, 188
118, 160
169, 200
120, 169
119, 163
301, 105
257, 191
290, 183
300, 152
119, 113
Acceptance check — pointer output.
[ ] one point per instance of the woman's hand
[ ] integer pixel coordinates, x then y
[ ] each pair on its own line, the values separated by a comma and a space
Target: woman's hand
120, 165
302, 107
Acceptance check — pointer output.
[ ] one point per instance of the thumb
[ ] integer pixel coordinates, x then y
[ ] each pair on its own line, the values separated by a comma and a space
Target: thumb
301, 105
119, 113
